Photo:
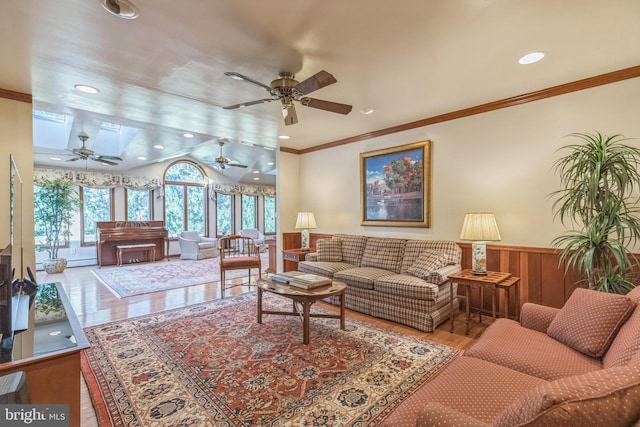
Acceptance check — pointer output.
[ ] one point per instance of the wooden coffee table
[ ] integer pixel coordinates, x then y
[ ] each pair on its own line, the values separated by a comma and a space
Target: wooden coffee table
305, 298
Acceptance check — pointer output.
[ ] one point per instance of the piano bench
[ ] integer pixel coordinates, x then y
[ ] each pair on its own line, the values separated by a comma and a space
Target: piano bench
148, 248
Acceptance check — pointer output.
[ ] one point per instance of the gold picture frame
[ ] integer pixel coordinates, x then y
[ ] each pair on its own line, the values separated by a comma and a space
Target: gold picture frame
395, 186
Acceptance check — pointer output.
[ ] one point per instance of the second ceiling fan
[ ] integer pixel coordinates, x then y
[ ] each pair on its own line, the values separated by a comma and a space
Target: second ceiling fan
287, 90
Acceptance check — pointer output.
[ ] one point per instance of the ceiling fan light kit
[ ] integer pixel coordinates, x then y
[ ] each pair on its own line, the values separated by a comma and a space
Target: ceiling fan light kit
287, 90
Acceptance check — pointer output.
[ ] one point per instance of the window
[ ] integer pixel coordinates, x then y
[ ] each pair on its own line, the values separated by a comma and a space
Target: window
249, 212
184, 199
138, 205
224, 214
269, 215
97, 205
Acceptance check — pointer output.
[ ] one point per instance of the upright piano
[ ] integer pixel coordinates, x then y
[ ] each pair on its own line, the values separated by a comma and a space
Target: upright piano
114, 233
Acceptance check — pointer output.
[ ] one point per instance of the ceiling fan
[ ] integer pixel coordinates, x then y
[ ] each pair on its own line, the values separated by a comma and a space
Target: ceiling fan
83, 153
222, 162
287, 89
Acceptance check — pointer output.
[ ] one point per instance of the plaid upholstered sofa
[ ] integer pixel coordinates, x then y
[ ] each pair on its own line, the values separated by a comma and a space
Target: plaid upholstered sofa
405, 281
575, 366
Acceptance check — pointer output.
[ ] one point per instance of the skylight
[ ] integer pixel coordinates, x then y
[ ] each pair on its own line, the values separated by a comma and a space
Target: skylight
52, 117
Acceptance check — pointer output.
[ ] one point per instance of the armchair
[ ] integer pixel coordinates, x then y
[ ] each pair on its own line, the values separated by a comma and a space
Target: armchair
238, 253
194, 246
256, 235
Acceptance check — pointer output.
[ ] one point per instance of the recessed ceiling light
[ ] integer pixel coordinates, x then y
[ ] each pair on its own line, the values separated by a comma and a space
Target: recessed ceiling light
55, 158
256, 171
188, 135
530, 58
142, 158
121, 8
256, 179
367, 110
87, 89
283, 137
158, 146
270, 163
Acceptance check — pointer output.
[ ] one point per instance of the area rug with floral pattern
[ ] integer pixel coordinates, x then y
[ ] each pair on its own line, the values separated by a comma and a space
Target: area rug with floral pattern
212, 364
137, 279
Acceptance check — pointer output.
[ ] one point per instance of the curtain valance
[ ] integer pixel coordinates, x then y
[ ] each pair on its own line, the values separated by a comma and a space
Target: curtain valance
248, 189
98, 179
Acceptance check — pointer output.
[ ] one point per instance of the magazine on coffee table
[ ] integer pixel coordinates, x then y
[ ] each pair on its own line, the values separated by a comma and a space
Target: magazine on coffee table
301, 280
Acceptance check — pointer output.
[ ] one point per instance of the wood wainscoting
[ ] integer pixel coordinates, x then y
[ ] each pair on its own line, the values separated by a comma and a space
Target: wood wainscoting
542, 279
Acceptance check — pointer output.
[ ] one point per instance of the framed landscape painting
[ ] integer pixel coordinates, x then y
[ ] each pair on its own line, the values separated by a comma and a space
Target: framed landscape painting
395, 186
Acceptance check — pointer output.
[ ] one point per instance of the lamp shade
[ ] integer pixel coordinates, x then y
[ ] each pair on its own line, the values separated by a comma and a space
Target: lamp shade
306, 220
480, 226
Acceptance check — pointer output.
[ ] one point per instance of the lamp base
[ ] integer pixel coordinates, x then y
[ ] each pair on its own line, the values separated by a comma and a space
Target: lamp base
305, 241
479, 258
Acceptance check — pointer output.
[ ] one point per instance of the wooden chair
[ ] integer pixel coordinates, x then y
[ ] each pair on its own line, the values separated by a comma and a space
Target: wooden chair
238, 253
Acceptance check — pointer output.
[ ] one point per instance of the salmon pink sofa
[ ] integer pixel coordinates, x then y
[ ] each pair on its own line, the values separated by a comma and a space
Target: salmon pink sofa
575, 366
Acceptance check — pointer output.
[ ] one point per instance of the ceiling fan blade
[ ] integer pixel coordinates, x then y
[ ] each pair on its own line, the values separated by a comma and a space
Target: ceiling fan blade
334, 107
289, 114
73, 159
315, 82
104, 161
237, 165
238, 76
109, 158
246, 104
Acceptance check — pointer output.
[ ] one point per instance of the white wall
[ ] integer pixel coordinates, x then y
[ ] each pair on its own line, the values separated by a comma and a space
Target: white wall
499, 161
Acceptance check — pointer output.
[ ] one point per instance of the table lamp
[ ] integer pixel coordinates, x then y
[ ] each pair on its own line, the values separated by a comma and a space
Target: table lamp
480, 227
305, 221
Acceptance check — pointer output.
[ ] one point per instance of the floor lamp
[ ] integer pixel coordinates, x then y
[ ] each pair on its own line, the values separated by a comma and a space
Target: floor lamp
480, 227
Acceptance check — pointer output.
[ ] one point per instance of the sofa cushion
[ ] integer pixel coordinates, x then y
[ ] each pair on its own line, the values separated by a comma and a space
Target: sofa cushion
384, 253
352, 248
404, 285
542, 356
362, 277
474, 387
608, 397
326, 269
414, 248
589, 320
427, 264
329, 250
626, 344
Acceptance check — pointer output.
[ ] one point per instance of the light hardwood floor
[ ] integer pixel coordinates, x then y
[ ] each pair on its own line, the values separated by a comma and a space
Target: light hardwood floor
95, 304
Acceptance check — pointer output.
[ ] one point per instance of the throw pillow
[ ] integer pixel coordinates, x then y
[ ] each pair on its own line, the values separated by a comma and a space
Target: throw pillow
606, 397
426, 264
589, 320
329, 250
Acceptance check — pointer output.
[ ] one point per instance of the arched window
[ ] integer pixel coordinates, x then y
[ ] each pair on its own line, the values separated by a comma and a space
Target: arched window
185, 201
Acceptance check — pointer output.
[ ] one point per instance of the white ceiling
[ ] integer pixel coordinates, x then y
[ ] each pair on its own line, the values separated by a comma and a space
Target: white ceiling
163, 73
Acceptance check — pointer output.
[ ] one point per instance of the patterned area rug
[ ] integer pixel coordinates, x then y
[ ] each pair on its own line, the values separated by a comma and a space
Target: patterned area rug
211, 364
136, 279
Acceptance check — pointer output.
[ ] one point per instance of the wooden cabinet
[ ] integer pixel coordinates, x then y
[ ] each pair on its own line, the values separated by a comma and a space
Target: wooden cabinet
53, 376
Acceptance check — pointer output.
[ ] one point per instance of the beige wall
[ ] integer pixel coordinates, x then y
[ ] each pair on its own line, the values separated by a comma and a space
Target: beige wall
16, 140
498, 161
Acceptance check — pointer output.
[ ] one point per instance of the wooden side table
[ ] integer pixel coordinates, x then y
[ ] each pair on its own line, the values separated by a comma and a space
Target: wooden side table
291, 258
492, 280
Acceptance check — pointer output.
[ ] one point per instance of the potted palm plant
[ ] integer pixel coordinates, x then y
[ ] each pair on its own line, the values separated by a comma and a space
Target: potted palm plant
54, 204
599, 200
